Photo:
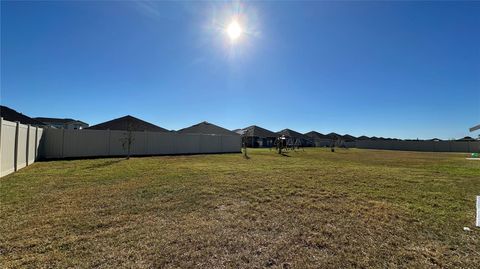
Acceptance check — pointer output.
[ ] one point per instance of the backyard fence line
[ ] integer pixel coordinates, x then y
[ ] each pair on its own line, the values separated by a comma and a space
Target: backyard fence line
329, 142
429, 146
61, 143
19, 145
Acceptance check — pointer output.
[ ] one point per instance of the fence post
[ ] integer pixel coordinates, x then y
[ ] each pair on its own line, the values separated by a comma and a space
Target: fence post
27, 144
36, 144
221, 144
108, 142
1, 124
15, 150
146, 142
63, 142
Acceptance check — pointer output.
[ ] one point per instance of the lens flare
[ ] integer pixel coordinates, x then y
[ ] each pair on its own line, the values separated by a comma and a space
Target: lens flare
234, 30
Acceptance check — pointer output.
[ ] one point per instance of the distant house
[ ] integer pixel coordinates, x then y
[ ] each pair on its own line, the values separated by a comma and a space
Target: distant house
467, 138
342, 140
11, 115
258, 137
67, 123
334, 136
296, 138
349, 138
127, 123
206, 128
363, 137
318, 139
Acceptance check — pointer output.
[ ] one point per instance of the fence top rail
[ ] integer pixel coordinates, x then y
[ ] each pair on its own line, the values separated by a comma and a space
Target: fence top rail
9, 123
143, 132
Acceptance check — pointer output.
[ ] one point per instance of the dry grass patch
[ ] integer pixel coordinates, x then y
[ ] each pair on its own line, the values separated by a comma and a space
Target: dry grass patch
351, 208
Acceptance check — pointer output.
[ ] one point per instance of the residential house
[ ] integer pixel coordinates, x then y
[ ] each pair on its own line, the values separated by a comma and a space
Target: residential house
296, 138
66, 123
127, 123
467, 138
206, 128
349, 138
318, 139
258, 137
363, 137
12, 115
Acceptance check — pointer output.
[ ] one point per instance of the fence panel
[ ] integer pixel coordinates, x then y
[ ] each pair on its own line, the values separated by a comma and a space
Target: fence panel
210, 144
440, 146
84, 143
158, 143
460, 146
138, 146
187, 144
474, 147
17, 146
7, 146
230, 143
40, 139
116, 138
22, 146
98, 143
52, 146
31, 146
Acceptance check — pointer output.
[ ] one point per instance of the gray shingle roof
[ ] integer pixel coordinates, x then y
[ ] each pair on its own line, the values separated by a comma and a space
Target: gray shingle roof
58, 120
12, 115
127, 122
349, 138
294, 134
206, 128
316, 135
256, 131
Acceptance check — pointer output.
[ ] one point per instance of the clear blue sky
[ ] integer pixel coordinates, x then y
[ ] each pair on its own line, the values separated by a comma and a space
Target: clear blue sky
397, 69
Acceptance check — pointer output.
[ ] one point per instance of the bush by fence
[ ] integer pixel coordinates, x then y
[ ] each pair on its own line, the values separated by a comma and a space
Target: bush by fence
19, 145
432, 146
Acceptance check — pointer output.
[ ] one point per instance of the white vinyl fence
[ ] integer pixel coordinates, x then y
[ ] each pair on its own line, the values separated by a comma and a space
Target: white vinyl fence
432, 146
19, 145
61, 143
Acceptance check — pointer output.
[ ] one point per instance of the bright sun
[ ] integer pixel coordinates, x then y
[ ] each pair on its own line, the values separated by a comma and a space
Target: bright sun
234, 30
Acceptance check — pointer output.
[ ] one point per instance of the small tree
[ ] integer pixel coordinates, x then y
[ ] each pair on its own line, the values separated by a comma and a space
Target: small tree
244, 145
128, 139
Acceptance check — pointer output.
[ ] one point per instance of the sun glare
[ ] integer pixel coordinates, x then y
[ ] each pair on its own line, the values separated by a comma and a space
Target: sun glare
234, 30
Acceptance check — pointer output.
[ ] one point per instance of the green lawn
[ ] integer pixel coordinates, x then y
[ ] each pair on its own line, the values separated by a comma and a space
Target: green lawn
313, 208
